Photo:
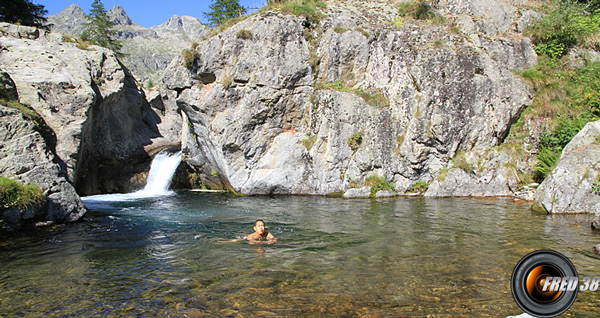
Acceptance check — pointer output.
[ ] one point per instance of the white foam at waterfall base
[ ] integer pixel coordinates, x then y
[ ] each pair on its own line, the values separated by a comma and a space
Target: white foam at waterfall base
161, 173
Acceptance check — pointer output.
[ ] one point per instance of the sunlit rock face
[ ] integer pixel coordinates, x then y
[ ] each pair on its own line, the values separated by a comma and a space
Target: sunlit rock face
280, 104
573, 187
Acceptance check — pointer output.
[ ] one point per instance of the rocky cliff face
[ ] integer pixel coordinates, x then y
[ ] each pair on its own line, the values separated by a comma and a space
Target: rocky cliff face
283, 104
574, 185
399, 100
28, 157
148, 51
104, 125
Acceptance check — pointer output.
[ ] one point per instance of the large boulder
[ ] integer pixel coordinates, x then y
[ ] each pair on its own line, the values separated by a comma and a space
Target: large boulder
26, 157
574, 186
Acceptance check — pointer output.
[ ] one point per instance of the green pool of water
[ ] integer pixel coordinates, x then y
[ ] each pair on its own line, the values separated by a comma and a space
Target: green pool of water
399, 257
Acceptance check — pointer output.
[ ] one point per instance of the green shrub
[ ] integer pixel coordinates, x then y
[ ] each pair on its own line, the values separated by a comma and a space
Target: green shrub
419, 10
419, 186
189, 56
565, 24
339, 29
553, 142
244, 34
14, 194
309, 13
596, 185
309, 142
552, 50
399, 22
564, 132
305, 8
566, 98
592, 101
378, 183
547, 159
355, 141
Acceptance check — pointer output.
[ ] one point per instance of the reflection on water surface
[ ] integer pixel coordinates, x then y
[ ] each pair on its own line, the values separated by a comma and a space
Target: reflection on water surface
365, 258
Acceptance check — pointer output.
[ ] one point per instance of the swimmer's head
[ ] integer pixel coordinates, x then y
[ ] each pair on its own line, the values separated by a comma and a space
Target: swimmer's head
259, 226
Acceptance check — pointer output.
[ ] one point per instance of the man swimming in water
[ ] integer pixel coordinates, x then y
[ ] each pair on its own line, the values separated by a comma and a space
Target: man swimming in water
259, 236
260, 233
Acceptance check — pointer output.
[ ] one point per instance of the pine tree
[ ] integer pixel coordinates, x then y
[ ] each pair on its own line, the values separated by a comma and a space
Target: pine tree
99, 29
23, 12
221, 10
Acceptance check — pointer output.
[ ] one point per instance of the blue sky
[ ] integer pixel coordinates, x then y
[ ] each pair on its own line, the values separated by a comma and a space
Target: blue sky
146, 13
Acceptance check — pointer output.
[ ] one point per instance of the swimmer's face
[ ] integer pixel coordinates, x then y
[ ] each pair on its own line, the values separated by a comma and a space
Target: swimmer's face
259, 227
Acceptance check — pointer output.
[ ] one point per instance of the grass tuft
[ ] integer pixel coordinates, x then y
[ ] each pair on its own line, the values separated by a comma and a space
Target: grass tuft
355, 140
309, 142
419, 186
245, 34
378, 183
15, 194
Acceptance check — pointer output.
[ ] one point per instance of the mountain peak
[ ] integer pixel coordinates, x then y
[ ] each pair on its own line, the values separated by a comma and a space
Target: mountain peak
117, 15
72, 11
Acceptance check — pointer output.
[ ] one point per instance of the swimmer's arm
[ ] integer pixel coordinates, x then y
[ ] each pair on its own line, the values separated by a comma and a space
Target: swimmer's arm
271, 238
232, 240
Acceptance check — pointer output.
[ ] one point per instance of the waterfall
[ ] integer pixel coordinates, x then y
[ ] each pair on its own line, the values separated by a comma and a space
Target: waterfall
161, 173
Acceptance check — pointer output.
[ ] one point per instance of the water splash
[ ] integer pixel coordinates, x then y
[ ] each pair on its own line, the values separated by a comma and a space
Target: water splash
161, 173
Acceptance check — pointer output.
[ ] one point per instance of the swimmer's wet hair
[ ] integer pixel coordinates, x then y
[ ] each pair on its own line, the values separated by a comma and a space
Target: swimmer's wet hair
259, 220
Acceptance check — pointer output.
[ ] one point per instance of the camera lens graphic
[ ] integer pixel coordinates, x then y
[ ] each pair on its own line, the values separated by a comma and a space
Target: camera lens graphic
535, 281
532, 273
